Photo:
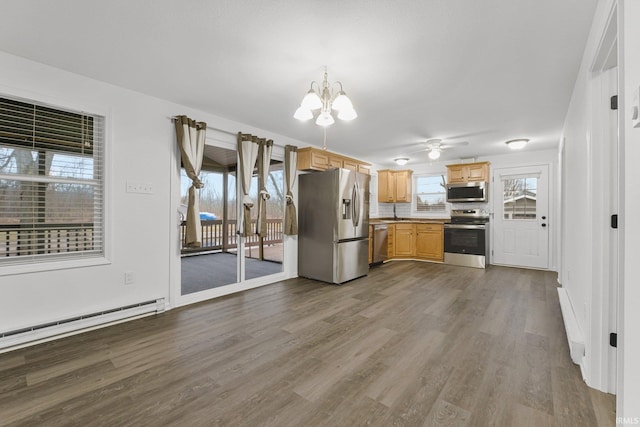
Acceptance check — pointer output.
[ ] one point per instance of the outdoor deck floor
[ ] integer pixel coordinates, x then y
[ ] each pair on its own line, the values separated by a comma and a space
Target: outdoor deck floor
208, 271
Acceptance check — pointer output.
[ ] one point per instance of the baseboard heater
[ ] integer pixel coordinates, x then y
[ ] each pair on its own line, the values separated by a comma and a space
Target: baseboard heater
12, 340
574, 336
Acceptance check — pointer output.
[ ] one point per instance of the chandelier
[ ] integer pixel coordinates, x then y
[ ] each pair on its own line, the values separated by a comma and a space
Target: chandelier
325, 100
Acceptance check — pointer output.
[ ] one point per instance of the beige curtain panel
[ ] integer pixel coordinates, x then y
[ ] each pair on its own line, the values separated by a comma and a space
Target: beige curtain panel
248, 152
290, 171
191, 137
264, 160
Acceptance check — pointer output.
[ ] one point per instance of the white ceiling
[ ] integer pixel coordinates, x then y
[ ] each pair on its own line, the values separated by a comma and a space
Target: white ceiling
461, 70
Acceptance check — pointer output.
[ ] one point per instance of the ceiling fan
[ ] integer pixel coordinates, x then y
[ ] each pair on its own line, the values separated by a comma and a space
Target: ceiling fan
435, 146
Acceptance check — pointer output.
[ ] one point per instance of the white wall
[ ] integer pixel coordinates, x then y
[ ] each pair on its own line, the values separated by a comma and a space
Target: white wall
140, 147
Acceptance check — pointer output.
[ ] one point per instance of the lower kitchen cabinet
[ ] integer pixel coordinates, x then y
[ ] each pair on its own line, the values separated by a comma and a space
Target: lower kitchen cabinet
404, 240
417, 241
429, 242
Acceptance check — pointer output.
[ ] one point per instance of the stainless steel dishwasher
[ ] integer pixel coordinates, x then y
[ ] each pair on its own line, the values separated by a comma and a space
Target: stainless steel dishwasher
380, 242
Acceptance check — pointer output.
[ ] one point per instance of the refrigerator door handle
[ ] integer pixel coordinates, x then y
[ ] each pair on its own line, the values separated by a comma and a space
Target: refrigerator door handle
356, 204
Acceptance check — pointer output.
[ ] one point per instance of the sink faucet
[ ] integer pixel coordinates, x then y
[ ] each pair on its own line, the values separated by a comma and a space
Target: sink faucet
395, 217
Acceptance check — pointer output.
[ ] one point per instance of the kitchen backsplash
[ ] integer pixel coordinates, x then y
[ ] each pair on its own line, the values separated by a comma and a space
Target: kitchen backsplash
403, 210
385, 210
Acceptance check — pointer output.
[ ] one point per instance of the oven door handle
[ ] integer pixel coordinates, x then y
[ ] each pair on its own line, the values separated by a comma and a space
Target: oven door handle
466, 226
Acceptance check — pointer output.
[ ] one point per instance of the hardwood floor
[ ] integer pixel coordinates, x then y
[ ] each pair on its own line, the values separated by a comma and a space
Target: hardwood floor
412, 344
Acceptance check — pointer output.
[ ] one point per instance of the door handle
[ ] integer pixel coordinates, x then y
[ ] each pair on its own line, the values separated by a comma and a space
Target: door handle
356, 205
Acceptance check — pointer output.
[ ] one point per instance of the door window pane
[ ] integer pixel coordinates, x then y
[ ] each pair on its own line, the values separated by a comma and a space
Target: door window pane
519, 198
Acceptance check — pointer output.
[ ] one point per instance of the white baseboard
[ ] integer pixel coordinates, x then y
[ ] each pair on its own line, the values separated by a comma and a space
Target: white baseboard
574, 334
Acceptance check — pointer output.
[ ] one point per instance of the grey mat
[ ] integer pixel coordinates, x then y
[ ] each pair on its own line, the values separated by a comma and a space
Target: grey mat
201, 272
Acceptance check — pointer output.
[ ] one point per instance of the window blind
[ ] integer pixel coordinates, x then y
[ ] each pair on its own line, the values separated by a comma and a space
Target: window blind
51, 183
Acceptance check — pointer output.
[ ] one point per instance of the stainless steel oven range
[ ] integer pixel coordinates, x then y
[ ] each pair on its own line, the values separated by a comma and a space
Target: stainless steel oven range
466, 238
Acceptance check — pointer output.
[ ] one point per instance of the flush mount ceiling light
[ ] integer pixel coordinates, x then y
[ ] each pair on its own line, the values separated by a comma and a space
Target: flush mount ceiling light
327, 101
517, 144
401, 161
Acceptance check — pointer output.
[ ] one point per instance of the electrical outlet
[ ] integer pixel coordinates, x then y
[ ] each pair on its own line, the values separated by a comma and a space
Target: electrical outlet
129, 278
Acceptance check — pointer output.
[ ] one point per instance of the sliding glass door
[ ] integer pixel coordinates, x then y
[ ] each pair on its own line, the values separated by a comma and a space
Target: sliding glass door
264, 254
219, 261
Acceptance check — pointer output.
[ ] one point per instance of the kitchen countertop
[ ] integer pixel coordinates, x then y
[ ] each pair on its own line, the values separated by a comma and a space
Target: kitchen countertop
409, 220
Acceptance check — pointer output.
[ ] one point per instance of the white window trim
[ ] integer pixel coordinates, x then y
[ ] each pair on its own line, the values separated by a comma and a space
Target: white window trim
446, 213
106, 112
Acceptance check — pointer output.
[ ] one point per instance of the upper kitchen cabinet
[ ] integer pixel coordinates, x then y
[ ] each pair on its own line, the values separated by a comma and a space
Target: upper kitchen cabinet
394, 186
315, 159
468, 172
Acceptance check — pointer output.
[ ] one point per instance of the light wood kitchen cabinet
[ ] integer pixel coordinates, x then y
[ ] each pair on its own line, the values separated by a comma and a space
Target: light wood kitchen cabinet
351, 165
391, 234
403, 185
386, 186
468, 172
429, 241
315, 159
364, 168
404, 240
421, 241
394, 186
335, 162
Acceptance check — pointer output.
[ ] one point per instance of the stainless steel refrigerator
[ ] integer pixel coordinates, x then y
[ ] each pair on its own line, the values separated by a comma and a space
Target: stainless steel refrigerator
333, 225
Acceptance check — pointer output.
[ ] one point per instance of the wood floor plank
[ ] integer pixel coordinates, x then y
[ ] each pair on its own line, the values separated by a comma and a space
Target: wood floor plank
536, 389
11, 361
526, 416
389, 386
411, 344
463, 387
447, 414
495, 401
420, 395
537, 318
604, 405
341, 365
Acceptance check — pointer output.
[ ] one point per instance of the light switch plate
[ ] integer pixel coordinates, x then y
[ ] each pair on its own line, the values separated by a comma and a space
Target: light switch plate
139, 187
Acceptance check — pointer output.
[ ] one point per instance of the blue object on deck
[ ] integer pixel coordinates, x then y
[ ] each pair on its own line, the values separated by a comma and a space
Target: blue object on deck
207, 216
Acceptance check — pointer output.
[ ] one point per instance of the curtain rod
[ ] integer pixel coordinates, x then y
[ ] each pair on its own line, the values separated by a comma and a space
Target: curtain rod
173, 118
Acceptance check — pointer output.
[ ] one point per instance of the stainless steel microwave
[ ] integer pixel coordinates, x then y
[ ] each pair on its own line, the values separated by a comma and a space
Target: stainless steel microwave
468, 192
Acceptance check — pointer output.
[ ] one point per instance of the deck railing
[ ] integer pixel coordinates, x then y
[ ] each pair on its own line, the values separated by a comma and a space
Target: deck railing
214, 236
45, 238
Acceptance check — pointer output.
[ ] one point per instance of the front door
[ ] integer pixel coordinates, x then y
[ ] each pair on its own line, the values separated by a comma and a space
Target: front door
521, 216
